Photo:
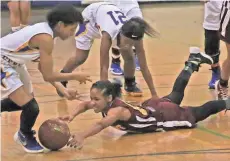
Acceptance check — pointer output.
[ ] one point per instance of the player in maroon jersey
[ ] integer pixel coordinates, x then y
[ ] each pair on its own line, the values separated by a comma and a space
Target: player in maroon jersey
152, 115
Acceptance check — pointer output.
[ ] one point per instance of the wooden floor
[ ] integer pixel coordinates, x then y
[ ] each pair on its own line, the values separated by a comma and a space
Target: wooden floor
180, 26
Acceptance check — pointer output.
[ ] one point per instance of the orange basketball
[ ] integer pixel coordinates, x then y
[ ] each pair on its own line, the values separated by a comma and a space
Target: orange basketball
54, 134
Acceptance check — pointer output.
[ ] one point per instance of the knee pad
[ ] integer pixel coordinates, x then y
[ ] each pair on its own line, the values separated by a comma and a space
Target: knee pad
9, 106
28, 116
31, 108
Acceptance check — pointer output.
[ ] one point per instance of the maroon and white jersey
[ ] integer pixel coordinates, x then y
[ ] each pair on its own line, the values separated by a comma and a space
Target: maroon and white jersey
153, 115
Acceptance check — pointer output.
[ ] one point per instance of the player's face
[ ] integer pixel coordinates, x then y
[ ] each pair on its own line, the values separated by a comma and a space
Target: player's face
66, 31
98, 100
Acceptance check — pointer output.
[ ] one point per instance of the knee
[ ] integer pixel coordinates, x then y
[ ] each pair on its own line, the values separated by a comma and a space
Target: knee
14, 8
80, 57
128, 56
32, 106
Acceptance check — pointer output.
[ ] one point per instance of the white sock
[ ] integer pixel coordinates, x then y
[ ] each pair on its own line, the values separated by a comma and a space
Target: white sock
15, 28
22, 25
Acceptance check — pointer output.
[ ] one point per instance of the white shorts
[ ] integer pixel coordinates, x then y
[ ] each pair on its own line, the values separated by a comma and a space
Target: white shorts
13, 77
85, 36
111, 23
212, 11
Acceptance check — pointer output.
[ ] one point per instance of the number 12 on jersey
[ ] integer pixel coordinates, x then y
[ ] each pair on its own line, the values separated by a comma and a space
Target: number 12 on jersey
117, 17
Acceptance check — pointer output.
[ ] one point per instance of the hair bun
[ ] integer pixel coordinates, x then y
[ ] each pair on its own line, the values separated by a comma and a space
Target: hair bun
117, 82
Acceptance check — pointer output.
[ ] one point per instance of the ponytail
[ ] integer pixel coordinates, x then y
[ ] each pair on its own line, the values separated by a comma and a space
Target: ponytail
109, 88
136, 27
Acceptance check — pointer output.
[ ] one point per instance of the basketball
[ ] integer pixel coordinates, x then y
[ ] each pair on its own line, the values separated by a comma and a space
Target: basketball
54, 134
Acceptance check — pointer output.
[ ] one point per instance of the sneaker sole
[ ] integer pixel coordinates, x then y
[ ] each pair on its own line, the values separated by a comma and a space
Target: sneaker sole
133, 94
19, 142
211, 87
207, 56
115, 73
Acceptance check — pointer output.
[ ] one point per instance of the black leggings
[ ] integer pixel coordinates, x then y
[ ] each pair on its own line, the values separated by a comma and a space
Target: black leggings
201, 112
212, 107
177, 94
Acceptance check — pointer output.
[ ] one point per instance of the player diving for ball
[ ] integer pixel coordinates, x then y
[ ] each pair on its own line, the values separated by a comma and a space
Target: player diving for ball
153, 114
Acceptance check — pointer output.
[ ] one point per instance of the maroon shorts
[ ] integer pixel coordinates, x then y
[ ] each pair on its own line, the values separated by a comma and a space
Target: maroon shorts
172, 115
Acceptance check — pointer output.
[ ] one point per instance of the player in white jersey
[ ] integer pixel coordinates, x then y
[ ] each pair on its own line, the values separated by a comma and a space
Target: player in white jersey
25, 45
131, 9
106, 21
221, 86
211, 26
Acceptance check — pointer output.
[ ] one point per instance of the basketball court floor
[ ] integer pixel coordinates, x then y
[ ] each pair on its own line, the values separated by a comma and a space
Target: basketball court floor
180, 25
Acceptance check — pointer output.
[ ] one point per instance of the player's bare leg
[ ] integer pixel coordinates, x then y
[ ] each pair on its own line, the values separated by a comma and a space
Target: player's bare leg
222, 84
129, 73
14, 15
25, 10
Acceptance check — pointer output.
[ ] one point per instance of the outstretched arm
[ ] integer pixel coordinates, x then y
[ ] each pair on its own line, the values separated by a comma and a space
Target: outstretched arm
144, 67
113, 115
81, 108
106, 43
45, 44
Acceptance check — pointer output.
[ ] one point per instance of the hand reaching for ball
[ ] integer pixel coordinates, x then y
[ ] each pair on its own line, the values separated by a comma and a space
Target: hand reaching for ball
67, 118
76, 141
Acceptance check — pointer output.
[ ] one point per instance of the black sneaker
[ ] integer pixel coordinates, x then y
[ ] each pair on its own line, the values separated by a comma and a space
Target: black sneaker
196, 57
133, 90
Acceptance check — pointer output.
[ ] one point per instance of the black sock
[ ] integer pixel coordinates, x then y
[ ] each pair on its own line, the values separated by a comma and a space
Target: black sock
130, 81
9, 106
28, 116
115, 55
209, 108
116, 60
216, 69
223, 83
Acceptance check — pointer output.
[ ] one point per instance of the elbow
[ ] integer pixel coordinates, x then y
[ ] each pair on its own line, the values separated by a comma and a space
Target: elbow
101, 126
47, 78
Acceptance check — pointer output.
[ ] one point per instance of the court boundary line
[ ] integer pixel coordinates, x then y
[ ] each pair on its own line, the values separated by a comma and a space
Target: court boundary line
207, 151
202, 128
